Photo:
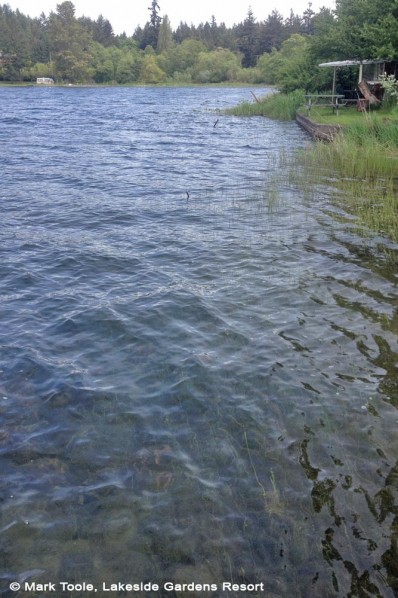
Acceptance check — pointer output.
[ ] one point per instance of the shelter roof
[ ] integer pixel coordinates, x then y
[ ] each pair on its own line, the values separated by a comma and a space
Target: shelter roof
354, 62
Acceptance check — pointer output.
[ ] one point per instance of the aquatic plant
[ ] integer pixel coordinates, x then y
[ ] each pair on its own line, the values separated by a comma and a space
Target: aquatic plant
273, 504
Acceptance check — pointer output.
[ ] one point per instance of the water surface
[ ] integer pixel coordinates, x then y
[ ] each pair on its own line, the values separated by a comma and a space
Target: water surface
198, 360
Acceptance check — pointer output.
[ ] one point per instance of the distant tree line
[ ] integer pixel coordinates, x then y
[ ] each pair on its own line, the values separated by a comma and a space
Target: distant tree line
281, 51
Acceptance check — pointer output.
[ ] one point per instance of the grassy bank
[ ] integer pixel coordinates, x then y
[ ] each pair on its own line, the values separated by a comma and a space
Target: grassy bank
364, 172
276, 105
366, 150
362, 164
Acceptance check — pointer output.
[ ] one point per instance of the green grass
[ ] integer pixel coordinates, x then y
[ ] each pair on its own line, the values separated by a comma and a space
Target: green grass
276, 105
350, 116
382, 134
362, 165
16, 84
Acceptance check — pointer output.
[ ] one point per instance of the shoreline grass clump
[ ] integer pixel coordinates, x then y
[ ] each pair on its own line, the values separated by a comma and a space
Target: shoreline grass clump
277, 105
357, 154
361, 163
381, 134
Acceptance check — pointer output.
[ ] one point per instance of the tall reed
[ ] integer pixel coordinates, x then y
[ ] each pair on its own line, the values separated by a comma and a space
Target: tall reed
362, 165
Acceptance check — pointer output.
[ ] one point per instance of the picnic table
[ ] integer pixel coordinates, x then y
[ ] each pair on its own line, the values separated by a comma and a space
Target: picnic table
332, 100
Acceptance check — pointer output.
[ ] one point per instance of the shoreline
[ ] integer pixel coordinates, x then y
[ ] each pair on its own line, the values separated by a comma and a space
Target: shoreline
226, 84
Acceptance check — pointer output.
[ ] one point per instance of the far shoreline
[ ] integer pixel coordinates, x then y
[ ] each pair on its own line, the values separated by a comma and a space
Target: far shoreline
226, 84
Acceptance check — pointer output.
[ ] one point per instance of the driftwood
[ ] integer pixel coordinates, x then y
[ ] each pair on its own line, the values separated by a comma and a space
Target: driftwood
255, 97
367, 94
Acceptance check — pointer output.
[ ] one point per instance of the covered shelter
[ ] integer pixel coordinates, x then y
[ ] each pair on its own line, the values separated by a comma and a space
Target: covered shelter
369, 70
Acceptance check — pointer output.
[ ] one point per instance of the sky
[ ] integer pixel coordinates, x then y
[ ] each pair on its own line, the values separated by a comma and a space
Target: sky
126, 15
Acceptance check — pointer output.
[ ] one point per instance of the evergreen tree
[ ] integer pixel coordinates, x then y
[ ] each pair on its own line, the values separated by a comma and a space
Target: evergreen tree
247, 39
214, 32
308, 18
138, 36
272, 33
293, 24
69, 44
182, 32
152, 28
101, 30
41, 47
16, 42
148, 36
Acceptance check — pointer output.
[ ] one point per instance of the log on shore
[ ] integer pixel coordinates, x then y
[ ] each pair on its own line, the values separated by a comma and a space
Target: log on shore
317, 131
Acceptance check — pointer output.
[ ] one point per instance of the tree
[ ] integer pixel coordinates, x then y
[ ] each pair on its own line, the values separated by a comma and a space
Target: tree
272, 33
182, 32
214, 37
293, 24
76, 50
216, 66
152, 28
128, 66
41, 46
367, 28
180, 59
290, 68
247, 39
149, 34
326, 42
69, 44
101, 30
150, 70
308, 17
17, 42
165, 37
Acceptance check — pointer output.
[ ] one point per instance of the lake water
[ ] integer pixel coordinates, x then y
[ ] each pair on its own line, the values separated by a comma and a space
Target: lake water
198, 360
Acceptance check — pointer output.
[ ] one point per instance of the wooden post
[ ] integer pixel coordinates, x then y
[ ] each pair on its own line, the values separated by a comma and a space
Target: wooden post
334, 81
255, 97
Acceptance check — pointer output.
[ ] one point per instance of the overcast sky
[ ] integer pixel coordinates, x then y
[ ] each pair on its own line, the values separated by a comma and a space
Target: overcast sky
125, 15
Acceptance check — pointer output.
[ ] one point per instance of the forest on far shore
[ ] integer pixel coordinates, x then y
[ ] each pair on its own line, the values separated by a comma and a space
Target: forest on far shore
281, 51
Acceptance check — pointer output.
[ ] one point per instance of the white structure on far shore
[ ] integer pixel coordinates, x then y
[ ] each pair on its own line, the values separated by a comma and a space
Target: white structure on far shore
44, 81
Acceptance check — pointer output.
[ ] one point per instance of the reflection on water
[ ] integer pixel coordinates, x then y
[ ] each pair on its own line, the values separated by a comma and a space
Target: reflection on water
192, 390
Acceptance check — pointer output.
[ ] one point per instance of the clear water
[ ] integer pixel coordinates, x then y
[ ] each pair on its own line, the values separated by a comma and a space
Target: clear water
192, 389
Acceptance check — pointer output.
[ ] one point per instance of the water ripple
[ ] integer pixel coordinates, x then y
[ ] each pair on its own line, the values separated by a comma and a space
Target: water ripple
196, 378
